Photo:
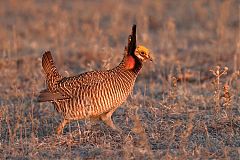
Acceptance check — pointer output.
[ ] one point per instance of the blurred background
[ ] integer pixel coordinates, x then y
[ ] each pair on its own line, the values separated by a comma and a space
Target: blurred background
187, 39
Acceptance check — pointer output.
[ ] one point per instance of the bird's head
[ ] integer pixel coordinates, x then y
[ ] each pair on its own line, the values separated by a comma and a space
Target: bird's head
142, 53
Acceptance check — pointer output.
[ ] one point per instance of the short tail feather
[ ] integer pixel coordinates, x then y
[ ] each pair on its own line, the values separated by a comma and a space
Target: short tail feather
45, 96
52, 75
48, 65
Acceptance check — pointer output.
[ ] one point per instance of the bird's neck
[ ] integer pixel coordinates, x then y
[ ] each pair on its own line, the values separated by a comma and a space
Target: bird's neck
129, 62
132, 63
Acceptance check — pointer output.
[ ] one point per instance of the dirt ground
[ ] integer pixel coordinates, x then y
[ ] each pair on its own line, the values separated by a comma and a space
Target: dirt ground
185, 105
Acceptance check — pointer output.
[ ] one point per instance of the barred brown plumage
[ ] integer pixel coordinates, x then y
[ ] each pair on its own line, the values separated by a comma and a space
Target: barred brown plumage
95, 94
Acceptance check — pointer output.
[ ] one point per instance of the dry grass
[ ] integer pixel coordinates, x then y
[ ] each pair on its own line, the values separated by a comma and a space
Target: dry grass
185, 105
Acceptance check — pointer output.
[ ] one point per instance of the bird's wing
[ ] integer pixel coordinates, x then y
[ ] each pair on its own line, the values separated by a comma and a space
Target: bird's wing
88, 78
67, 86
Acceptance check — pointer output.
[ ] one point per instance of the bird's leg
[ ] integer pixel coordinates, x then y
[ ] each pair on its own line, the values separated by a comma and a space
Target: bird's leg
106, 118
97, 118
61, 126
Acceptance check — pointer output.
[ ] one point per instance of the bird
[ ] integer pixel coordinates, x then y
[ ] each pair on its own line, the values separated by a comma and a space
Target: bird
94, 94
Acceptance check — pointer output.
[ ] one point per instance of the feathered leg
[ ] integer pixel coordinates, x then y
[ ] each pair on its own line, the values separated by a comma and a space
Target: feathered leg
107, 119
61, 126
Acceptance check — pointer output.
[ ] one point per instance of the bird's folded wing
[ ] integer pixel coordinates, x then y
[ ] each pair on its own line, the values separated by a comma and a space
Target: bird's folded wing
68, 86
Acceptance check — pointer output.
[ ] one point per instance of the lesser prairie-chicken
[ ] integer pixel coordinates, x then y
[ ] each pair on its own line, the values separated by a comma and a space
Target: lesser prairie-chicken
95, 94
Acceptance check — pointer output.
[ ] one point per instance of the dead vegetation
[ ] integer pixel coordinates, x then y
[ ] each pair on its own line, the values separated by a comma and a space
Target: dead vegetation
185, 105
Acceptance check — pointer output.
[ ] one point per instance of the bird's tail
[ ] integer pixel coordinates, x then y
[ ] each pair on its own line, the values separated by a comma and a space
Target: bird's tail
52, 75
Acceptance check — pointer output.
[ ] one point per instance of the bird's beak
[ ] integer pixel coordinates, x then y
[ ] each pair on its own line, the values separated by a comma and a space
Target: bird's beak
150, 58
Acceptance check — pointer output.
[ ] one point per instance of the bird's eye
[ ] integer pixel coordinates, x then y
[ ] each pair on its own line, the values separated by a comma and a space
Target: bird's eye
142, 53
